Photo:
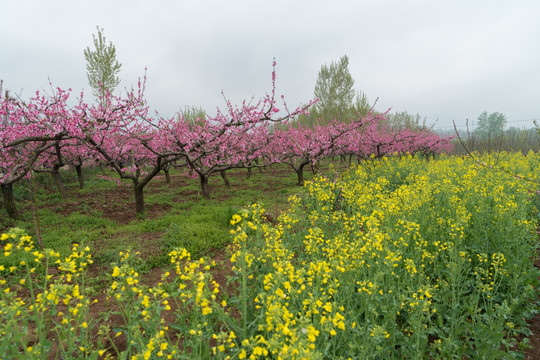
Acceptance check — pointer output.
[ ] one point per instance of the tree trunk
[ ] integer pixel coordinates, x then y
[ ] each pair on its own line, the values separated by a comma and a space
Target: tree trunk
139, 199
248, 173
167, 176
78, 169
30, 186
58, 181
300, 174
138, 187
205, 190
260, 168
9, 201
314, 168
225, 178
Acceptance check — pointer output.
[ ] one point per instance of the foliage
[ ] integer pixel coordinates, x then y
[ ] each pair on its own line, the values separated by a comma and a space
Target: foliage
512, 139
400, 258
193, 115
334, 91
397, 258
404, 120
361, 106
337, 99
102, 67
490, 125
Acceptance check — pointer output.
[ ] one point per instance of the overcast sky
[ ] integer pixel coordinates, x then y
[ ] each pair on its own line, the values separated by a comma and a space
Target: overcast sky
446, 60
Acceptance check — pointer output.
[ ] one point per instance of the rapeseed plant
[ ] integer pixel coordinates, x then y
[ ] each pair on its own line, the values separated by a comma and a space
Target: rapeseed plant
397, 258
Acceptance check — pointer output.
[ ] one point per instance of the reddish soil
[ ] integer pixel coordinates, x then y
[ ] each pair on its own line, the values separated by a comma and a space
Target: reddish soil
115, 205
534, 340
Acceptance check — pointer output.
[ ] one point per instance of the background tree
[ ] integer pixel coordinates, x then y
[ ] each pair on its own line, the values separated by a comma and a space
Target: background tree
490, 124
102, 67
403, 120
334, 89
361, 106
337, 97
192, 115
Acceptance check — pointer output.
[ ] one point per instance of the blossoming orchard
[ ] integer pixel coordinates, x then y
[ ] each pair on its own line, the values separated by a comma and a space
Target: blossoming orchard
402, 254
46, 133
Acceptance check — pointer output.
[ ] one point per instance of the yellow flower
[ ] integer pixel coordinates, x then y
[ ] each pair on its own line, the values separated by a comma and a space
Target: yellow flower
235, 219
328, 307
147, 354
260, 351
206, 310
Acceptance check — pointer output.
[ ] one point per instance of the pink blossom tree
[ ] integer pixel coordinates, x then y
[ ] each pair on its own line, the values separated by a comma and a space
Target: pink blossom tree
122, 135
235, 138
378, 140
27, 131
300, 145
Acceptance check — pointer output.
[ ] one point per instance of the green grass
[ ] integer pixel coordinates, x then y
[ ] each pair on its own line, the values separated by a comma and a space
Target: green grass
177, 215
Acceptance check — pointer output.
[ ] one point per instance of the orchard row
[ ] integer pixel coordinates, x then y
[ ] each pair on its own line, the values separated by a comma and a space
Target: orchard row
51, 131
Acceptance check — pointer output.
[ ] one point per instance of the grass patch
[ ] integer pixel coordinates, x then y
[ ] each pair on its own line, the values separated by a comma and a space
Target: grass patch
102, 216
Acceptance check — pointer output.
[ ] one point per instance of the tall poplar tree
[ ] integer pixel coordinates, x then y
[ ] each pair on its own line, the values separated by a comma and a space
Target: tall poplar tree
489, 125
102, 67
334, 89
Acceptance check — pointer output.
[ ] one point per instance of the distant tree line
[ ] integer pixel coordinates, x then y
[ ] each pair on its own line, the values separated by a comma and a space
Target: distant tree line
489, 134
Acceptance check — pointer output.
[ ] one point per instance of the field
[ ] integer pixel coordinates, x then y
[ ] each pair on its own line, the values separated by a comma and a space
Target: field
397, 258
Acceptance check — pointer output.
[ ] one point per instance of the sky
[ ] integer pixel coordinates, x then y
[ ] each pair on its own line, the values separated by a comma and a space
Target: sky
445, 60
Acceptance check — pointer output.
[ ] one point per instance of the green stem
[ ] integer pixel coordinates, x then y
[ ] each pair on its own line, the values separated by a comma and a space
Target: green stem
37, 318
244, 293
35, 211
